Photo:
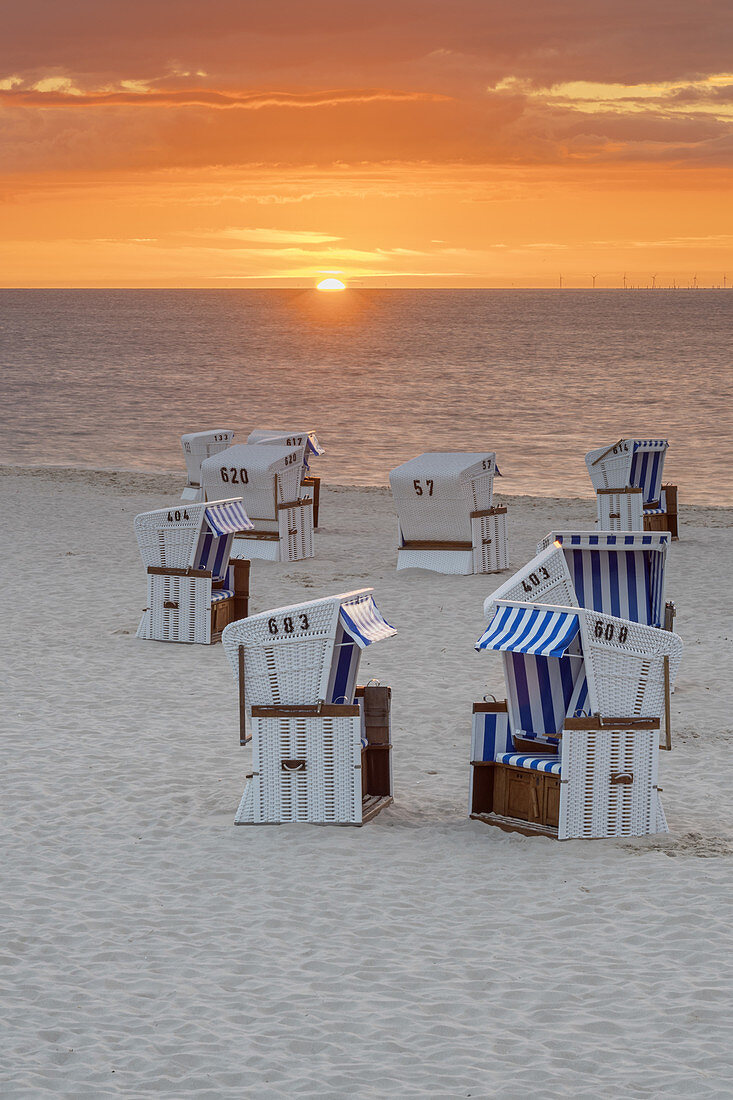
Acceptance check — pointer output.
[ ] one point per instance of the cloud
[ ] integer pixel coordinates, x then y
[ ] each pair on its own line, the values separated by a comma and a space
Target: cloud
271, 236
57, 91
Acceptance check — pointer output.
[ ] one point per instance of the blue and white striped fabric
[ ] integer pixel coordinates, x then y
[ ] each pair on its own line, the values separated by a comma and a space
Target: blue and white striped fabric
647, 466
227, 519
535, 763
530, 630
364, 623
213, 553
490, 735
219, 594
620, 575
343, 683
542, 692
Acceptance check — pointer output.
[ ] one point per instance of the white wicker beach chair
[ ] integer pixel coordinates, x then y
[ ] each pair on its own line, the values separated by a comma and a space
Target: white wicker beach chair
627, 478
310, 485
268, 478
447, 521
194, 590
574, 749
321, 745
198, 446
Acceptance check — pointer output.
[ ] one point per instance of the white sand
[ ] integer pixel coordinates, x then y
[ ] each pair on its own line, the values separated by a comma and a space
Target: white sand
152, 948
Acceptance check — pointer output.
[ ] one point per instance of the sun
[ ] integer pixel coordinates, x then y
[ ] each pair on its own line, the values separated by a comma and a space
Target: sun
331, 284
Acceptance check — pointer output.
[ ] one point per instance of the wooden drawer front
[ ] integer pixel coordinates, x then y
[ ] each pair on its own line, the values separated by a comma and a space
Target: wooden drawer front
221, 615
526, 795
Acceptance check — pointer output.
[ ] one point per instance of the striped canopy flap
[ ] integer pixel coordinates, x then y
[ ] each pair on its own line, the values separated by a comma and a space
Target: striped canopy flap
530, 630
228, 518
543, 667
363, 622
314, 447
647, 467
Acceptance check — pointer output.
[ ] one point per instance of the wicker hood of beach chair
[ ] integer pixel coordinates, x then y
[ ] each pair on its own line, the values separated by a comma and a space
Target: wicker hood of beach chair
268, 477
447, 519
198, 446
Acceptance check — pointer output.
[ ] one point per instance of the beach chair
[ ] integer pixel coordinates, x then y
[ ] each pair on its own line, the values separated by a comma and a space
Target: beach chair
198, 446
321, 750
268, 478
620, 574
447, 521
573, 751
627, 478
194, 589
310, 486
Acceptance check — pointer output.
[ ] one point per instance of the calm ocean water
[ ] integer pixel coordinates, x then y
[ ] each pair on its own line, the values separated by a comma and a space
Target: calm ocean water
113, 378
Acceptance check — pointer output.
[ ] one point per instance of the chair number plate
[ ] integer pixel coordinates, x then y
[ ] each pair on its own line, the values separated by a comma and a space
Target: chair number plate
235, 476
178, 515
533, 581
287, 626
608, 630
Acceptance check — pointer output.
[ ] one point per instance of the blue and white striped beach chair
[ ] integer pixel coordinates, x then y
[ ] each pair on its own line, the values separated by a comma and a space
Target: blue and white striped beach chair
575, 753
297, 669
198, 446
194, 589
627, 478
620, 574
310, 485
268, 478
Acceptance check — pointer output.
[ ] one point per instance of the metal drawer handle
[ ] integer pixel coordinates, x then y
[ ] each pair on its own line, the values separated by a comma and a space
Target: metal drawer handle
292, 765
622, 777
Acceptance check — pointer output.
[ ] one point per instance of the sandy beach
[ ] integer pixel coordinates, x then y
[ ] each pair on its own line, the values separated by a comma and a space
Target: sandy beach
152, 948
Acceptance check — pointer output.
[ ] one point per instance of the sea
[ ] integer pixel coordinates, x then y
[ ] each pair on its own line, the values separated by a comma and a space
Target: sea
110, 379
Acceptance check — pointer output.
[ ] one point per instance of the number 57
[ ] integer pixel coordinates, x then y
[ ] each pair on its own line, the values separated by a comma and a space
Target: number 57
419, 488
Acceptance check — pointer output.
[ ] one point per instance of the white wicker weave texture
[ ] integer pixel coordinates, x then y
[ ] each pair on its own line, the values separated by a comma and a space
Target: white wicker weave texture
544, 579
306, 769
490, 542
435, 494
170, 541
627, 664
610, 467
288, 652
296, 532
592, 804
620, 511
198, 446
189, 620
268, 476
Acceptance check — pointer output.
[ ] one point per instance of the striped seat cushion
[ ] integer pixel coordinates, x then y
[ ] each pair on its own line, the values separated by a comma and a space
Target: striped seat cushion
221, 594
654, 511
535, 763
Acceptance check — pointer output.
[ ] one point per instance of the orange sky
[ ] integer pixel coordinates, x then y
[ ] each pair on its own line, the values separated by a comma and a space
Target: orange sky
411, 143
